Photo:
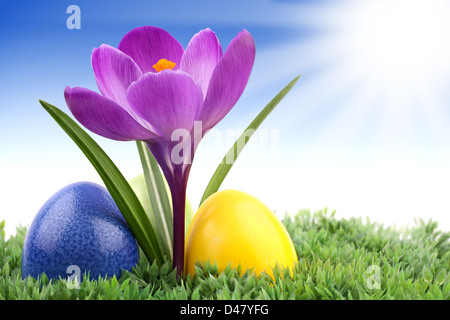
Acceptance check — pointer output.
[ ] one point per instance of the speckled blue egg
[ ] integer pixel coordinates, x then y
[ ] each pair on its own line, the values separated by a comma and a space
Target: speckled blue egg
79, 226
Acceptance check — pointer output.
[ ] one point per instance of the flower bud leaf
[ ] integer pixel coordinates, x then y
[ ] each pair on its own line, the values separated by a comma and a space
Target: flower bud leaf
124, 196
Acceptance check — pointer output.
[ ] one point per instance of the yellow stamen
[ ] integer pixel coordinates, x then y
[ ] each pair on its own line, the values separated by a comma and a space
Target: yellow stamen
163, 64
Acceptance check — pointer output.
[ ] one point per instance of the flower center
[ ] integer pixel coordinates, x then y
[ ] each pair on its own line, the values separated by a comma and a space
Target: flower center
163, 64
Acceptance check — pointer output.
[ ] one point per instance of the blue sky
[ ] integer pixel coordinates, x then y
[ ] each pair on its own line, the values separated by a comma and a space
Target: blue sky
364, 132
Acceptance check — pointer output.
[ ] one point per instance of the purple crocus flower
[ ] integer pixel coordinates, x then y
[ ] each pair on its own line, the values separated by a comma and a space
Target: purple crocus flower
151, 87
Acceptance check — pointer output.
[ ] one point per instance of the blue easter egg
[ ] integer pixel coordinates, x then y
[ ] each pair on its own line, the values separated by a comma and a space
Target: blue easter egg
79, 229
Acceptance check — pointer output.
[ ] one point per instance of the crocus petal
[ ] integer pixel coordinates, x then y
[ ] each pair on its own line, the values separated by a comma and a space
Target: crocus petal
228, 79
147, 45
114, 72
201, 57
103, 116
169, 100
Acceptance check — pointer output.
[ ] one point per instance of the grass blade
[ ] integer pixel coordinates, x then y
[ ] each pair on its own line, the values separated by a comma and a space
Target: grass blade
118, 187
231, 156
159, 199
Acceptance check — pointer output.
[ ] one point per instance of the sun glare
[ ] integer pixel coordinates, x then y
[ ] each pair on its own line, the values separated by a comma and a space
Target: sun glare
374, 102
399, 40
391, 61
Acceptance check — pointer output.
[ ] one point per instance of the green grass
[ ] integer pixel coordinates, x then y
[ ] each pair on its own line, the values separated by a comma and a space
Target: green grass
334, 263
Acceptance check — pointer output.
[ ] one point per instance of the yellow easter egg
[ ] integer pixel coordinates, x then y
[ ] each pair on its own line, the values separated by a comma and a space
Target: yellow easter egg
234, 227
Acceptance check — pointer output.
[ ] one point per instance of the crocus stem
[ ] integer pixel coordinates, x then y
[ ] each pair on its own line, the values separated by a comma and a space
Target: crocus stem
178, 203
178, 184
177, 177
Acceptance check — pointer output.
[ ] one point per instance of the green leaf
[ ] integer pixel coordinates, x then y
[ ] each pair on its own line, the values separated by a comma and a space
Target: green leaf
118, 187
440, 278
310, 292
124, 284
427, 275
225, 166
2, 229
196, 294
159, 198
